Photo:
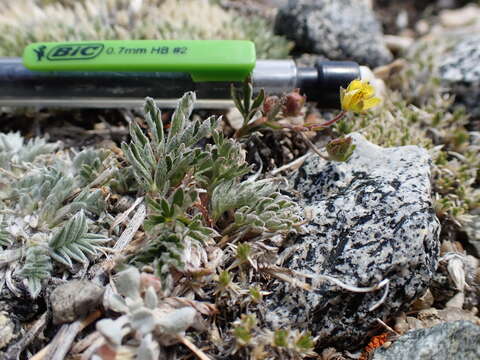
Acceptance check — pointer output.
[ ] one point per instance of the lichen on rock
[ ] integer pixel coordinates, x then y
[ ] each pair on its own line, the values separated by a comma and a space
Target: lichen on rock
337, 29
459, 70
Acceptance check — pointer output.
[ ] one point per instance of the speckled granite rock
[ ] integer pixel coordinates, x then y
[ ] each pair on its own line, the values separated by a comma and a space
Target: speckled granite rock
460, 71
373, 220
337, 29
448, 341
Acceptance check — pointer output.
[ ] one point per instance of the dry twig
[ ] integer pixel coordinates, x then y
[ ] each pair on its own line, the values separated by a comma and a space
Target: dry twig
193, 348
295, 164
61, 343
132, 228
124, 215
16, 349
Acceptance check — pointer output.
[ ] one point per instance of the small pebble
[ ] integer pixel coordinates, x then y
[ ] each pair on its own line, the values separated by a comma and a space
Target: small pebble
6, 330
75, 299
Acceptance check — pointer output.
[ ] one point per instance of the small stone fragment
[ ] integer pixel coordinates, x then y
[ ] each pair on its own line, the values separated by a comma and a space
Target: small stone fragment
431, 317
75, 299
456, 340
424, 302
7, 328
460, 71
473, 230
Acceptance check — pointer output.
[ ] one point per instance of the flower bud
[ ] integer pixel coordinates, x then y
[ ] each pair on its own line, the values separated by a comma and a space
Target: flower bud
294, 102
340, 149
269, 104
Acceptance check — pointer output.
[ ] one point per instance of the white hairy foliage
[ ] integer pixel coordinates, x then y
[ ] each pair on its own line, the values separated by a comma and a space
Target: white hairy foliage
195, 192
73, 241
39, 192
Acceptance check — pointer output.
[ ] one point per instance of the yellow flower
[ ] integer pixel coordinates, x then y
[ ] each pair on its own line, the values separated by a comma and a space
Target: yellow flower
358, 97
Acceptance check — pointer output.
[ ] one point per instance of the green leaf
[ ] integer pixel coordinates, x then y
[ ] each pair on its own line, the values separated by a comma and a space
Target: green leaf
236, 99
153, 117
280, 338
305, 342
140, 171
5, 237
247, 95
259, 99
36, 268
178, 197
137, 135
73, 241
242, 335
181, 114
165, 207
164, 251
231, 195
88, 164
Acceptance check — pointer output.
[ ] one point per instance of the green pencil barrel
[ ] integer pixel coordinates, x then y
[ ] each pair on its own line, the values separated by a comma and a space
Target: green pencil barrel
203, 60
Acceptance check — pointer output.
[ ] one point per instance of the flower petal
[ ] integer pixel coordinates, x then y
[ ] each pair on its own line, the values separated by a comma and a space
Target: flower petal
358, 97
369, 103
350, 98
355, 85
368, 90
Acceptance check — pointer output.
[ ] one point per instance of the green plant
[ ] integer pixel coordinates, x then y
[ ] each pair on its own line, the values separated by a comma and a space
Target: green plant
73, 242
212, 229
262, 111
147, 321
251, 340
43, 211
195, 194
442, 127
37, 267
250, 108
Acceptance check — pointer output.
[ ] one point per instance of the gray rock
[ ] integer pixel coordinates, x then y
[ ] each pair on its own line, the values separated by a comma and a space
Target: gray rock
473, 231
75, 299
337, 29
448, 341
460, 71
373, 220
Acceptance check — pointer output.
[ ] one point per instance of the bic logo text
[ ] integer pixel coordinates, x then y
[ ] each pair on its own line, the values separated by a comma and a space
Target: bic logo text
75, 52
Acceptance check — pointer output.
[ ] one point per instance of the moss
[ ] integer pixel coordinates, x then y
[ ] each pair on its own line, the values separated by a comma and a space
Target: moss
122, 19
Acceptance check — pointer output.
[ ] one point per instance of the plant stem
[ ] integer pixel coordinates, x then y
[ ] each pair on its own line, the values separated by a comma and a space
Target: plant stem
312, 146
328, 123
